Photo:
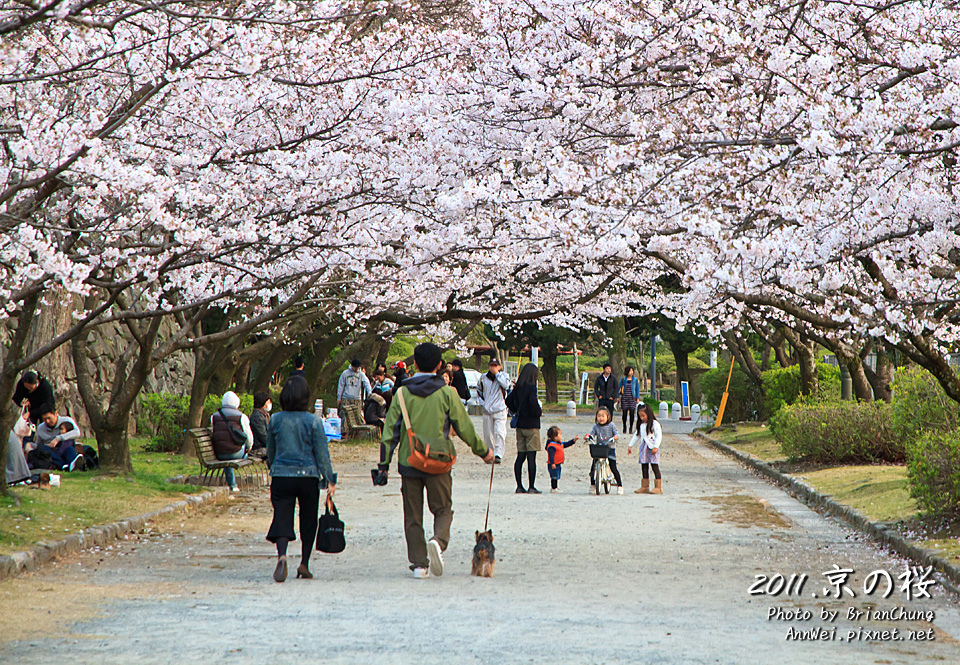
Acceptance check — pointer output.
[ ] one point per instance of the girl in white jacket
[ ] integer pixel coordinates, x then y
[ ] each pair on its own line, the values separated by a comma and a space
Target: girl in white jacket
651, 435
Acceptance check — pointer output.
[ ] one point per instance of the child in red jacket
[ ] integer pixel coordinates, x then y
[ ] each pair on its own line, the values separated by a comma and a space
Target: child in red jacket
555, 455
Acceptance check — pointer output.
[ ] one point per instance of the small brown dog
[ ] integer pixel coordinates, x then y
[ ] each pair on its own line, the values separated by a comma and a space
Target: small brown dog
484, 555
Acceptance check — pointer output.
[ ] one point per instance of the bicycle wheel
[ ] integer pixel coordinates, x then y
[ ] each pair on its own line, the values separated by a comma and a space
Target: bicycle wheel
606, 486
597, 479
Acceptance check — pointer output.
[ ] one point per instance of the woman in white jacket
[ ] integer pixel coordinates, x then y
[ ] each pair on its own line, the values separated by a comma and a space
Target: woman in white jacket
651, 435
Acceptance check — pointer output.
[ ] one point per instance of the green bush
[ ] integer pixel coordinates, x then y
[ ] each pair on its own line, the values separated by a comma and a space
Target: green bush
920, 405
213, 403
744, 402
668, 395
838, 433
782, 386
933, 469
164, 417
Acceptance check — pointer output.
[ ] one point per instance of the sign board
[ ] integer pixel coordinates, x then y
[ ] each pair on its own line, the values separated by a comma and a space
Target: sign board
684, 400
583, 389
512, 368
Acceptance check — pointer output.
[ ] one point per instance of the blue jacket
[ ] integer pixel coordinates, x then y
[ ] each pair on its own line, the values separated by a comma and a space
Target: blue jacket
634, 385
297, 447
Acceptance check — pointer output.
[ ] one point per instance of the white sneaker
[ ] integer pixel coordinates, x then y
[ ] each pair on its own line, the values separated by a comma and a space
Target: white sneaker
620, 491
592, 490
234, 489
420, 573
436, 557
554, 491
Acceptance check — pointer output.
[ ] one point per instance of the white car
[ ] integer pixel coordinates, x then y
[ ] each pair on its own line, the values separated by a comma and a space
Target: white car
473, 378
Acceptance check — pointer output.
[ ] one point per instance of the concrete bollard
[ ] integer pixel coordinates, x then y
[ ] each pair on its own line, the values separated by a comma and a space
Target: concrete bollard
695, 412
663, 411
676, 411
571, 409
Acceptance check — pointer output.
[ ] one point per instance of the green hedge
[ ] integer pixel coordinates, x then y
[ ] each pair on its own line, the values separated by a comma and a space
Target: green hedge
929, 422
214, 402
163, 416
744, 402
782, 386
933, 468
838, 433
921, 406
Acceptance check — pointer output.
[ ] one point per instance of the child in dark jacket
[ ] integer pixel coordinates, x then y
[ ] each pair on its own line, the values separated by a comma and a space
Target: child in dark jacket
555, 458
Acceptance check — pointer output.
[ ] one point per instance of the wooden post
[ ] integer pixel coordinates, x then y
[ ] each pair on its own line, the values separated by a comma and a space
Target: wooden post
726, 392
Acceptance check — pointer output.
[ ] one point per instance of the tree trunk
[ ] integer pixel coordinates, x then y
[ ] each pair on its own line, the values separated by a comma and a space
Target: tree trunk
114, 446
318, 374
264, 371
576, 366
881, 380
804, 351
9, 375
130, 373
779, 349
241, 377
549, 351
849, 357
682, 359
199, 389
618, 352
224, 366
383, 352
809, 378
765, 357
925, 353
738, 347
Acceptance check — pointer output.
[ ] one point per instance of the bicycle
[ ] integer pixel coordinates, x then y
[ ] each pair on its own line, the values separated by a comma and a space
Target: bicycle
601, 467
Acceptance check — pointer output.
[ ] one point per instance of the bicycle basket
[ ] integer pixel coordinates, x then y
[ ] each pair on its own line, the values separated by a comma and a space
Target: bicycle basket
599, 451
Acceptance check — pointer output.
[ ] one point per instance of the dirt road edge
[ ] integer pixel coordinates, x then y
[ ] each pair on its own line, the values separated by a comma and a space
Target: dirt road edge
43, 552
852, 518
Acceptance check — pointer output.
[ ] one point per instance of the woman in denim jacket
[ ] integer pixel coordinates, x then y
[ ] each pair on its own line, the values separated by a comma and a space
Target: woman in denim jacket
298, 457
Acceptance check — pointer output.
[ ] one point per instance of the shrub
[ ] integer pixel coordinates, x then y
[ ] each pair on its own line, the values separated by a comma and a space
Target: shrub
933, 468
839, 432
213, 403
782, 386
920, 405
163, 415
668, 395
744, 400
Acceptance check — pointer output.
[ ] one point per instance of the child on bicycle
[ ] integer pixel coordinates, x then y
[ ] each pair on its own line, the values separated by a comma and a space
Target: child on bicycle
555, 455
604, 432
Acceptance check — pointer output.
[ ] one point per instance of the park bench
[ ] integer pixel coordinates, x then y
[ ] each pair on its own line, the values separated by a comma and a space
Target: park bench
353, 425
212, 468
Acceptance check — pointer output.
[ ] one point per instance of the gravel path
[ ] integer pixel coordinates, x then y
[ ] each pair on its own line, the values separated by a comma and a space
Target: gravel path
579, 579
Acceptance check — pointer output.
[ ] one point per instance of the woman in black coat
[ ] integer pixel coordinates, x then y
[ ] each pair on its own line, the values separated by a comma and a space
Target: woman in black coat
523, 402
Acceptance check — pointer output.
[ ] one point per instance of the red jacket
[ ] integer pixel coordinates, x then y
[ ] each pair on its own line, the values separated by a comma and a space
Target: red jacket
557, 452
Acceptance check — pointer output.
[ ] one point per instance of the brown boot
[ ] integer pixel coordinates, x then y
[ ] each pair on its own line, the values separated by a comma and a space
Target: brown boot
657, 487
644, 487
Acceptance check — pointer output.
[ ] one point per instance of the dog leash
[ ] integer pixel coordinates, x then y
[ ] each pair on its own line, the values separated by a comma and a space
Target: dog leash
489, 494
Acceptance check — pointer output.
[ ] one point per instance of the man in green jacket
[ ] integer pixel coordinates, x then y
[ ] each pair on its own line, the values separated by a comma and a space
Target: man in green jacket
434, 410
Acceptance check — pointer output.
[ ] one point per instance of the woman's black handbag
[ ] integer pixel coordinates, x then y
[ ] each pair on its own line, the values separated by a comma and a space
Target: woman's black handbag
330, 534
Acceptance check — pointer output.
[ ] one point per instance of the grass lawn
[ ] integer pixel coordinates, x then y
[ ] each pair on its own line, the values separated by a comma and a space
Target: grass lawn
88, 499
878, 491
754, 439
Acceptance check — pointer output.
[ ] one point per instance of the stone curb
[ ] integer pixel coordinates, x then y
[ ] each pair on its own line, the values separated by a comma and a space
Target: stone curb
96, 536
852, 518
